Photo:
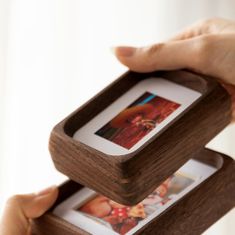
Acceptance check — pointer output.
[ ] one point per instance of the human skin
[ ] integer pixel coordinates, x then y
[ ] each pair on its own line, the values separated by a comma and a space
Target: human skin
20, 209
207, 47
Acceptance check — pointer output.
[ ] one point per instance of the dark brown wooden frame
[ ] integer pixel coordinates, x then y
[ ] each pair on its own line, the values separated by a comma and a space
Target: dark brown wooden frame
130, 178
192, 214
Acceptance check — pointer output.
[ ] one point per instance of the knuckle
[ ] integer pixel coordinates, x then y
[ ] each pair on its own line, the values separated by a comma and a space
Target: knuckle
204, 43
205, 48
209, 21
208, 25
151, 57
153, 49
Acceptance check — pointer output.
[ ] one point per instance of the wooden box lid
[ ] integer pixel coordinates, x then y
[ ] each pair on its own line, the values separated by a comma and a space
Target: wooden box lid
129, 178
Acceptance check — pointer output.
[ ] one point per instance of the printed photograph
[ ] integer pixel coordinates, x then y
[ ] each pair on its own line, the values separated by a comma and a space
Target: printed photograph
137, 120
121, 218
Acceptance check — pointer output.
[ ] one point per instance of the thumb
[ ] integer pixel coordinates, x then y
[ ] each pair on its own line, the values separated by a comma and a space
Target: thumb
165, 56
21, 208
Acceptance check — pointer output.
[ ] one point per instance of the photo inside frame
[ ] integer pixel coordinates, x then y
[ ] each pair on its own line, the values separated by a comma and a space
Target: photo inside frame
100, 215
121, 218
137, 120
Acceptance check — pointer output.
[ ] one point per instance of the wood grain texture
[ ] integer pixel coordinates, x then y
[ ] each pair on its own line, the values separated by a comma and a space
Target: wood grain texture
191, 215
130, 178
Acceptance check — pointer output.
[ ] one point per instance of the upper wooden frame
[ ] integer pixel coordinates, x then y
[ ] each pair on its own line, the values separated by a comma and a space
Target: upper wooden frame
128, 179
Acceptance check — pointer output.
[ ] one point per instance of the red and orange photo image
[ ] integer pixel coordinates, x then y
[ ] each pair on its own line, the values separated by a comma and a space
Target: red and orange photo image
137, 120
121, 218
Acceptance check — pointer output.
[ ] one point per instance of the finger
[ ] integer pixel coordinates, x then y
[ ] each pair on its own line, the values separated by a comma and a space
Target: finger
199, 28
163, 56
20, 208
207, 26
193, 31
208, 54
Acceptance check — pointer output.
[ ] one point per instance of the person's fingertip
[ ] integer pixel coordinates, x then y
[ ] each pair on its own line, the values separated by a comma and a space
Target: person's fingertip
42, 202
47, 190
124, 51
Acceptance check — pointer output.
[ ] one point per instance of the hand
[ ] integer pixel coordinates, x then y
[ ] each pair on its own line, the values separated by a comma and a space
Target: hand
20, 209
207, 47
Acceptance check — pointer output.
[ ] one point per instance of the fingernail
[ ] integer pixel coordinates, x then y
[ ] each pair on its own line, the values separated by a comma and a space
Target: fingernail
46, 190
124, 51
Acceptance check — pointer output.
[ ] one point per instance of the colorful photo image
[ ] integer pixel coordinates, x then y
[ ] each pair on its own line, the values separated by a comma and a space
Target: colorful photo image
137, 120
121, 218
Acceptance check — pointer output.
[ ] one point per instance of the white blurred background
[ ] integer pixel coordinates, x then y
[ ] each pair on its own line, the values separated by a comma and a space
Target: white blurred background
55, 55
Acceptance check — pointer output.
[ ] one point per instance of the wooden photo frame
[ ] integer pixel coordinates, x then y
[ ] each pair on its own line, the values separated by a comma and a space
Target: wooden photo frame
129, 178
192, 214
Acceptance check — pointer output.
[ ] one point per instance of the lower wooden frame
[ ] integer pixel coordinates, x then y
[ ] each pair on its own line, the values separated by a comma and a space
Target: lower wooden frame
193, 214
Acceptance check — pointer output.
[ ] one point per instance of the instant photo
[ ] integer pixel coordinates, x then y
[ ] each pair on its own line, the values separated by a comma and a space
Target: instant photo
121, 218
100, 215
137, 120
136, 116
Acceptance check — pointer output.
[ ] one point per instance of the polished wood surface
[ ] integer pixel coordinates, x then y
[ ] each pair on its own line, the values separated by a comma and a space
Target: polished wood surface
130, 178
191, 215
